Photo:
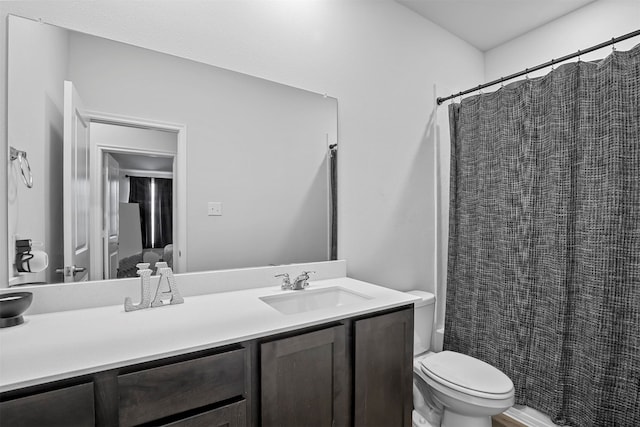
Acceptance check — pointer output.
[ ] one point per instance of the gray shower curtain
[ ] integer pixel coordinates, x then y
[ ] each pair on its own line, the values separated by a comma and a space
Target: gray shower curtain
544, 244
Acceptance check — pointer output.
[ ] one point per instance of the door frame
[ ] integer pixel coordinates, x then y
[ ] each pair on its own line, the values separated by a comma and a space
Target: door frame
179, 185
106, 214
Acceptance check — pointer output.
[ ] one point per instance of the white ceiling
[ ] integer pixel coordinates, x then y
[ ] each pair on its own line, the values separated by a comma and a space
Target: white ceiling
489, 23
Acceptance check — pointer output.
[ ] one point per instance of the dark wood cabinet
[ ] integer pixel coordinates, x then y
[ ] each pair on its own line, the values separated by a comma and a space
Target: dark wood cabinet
384, 369
199, 389
304, 380
65, 407
356, 371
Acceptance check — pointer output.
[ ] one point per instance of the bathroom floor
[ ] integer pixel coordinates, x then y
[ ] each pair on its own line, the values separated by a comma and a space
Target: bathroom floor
505, 421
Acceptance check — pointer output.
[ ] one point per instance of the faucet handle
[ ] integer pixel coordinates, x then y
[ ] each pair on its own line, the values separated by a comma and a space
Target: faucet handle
303, 277
286, 282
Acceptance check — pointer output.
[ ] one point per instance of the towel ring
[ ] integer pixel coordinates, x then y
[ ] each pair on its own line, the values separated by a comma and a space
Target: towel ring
21, 156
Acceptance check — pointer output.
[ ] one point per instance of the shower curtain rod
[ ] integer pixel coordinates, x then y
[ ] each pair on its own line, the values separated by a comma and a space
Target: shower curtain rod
614, 40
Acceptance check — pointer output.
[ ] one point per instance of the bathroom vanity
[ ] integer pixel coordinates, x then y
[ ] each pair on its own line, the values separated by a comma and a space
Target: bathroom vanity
241, 358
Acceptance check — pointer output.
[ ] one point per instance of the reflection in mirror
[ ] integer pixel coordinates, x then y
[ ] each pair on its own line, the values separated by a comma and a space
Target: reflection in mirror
249, 161
137, 193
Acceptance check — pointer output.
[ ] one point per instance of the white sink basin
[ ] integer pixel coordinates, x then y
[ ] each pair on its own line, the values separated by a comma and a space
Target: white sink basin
292, 302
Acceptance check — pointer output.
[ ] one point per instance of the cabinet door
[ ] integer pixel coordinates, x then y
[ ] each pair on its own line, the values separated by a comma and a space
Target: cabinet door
384, 370
305, 380
68, 407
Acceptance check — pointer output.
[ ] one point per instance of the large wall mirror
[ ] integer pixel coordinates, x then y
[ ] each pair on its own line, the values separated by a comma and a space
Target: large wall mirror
139, 156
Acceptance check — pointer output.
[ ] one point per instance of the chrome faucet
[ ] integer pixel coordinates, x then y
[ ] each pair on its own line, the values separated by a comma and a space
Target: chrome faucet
298, 284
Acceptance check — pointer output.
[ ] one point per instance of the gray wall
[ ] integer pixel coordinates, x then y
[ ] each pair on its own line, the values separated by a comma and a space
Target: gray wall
40, 55
256, 146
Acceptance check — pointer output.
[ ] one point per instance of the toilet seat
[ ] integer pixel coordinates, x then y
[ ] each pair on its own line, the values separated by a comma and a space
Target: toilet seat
467, 375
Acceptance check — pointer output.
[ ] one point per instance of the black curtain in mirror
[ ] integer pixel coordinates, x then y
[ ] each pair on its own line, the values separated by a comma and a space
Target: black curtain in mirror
140, 192
163, 212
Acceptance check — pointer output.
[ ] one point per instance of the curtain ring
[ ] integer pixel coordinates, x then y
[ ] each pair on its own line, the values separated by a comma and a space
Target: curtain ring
501, 82
613, 44
526, 72
579, 57
553, 64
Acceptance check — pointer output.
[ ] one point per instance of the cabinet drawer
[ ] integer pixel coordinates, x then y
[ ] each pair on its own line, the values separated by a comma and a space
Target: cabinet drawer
232, 415
71, 406
168, 390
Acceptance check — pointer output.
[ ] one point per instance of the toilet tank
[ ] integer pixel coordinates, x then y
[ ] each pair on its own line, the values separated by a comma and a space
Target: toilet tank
423, 321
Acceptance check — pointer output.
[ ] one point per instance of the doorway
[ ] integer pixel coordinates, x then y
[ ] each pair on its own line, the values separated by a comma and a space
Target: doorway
133, 225
138, 212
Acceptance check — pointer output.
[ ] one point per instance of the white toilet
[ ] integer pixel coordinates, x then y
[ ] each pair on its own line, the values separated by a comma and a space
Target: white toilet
452, 389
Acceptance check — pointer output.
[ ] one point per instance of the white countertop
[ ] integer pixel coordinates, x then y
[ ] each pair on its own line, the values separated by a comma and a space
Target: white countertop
65, 344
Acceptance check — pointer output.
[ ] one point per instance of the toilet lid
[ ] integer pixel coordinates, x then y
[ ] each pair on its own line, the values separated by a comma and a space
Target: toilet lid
466, 372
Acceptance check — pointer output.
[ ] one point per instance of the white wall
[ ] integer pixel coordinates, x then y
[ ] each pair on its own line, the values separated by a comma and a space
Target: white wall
588, 26
133, 138
36, 119
384, 63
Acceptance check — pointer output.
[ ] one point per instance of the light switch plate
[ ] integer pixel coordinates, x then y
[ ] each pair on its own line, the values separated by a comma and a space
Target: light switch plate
214, 208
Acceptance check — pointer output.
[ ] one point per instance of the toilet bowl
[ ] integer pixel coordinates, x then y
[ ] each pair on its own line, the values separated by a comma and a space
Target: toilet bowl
469, 390
452, 389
